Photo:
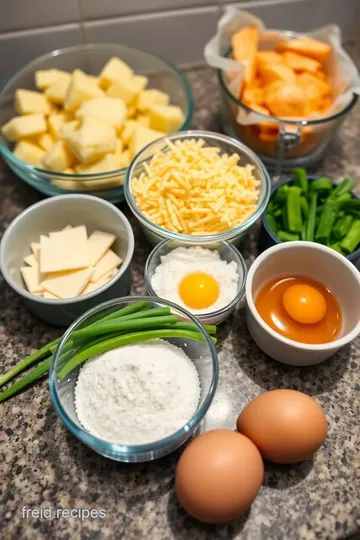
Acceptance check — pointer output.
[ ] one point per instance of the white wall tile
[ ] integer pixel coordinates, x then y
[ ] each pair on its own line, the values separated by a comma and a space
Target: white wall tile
304, 15
96, 9
21, 47
179, 36
21, 14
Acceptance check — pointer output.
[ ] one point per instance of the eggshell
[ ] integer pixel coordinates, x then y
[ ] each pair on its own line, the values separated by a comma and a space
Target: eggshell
286, 426
218, 476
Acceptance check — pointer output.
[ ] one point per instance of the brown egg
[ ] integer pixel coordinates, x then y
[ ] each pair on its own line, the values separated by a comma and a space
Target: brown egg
286, 426
218, 476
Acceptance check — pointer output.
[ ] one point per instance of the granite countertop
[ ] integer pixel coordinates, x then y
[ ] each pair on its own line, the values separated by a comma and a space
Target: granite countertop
42, 464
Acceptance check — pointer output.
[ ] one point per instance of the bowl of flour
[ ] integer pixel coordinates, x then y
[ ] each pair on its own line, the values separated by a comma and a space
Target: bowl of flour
140, 401
208, 281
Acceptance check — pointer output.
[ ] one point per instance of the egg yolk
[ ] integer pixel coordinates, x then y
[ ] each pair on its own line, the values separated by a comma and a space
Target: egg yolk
199, 290
304, 303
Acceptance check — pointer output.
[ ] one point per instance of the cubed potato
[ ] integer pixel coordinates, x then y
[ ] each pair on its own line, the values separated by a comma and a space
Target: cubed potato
125, 158
126, 89
149, 98
166, 118
30, 102
58, 157
89, 78
46, 77
24, 126
110, 110
115, 69
92, 140
128, 131
55, 122
105, 164
131, 112
70, 185
80, 90
140, 81
143, 119
45, 141
68, 127
29, 152
56, 92
141, 137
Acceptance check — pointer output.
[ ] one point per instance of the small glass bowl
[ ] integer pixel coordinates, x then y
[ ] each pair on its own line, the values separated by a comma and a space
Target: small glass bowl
227, 253
91, 59
156, 234
203, 354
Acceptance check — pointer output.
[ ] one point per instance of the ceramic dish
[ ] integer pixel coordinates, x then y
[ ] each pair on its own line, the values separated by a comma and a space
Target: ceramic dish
227, 253
156, 234
91, 59
268, 237
315, 261
54, 214
203, 354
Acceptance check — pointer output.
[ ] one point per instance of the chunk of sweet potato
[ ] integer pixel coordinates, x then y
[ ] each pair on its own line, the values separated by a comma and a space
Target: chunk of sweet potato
285, 99
307, 46
278, 72
244, 47
299, 62
269, 57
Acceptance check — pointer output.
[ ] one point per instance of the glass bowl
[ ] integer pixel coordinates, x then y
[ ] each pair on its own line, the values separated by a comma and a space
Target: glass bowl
227, 252
156, 234
91, 59
268, 238
203, 354
290, 143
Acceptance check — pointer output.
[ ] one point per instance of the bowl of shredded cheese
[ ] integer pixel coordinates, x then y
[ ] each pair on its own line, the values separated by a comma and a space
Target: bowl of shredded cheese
196, 187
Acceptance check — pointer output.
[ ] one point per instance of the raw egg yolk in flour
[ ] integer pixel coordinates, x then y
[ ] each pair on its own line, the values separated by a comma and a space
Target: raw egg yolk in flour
199, 290
300, 308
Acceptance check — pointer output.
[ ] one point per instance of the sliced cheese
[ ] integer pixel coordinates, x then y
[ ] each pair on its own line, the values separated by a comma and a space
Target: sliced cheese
107, 263
31, 260
68, 285
91, 287
66, 250
35, 248
32, 278
99, 243
50, 295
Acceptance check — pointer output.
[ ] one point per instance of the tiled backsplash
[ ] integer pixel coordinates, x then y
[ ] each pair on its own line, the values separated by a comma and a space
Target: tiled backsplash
176, 29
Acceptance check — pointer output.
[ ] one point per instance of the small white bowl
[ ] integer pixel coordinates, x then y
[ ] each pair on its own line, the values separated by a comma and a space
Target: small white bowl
315, 261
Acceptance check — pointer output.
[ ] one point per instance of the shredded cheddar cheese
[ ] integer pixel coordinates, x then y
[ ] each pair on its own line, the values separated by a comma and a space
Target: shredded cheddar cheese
192, 189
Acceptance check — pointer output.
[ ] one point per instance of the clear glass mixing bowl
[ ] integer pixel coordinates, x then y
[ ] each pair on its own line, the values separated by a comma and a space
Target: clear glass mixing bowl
203, 354
91, 59
156, 234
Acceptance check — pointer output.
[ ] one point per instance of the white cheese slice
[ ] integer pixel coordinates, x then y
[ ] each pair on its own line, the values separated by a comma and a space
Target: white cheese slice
31, 277
67, 228
90, 287
35, 248
68, 285
31, 260
65, 250
107, 263
49, 295
99, 243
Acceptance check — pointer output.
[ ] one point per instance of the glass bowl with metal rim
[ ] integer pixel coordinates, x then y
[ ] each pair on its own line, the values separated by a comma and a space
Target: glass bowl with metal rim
62, 389
156, 234
91, 59
286, 143
227, 253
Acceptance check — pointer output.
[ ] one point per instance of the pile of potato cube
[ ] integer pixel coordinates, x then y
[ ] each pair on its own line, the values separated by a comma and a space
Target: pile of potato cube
82, 124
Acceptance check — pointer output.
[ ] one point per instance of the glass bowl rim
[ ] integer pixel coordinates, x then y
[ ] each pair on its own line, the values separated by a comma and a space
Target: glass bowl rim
277, 119
354, 255
116, 448
210, 314
185, 238
8, 154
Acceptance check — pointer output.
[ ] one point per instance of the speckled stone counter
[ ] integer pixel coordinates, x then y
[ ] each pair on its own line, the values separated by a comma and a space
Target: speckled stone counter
42, 464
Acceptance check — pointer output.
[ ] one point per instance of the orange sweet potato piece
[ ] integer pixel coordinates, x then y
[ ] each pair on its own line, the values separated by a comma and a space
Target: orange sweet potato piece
278, 72
244, 46
313, 87
260, 109
307, 46
299, 62
285, 99
268, 57
252, 94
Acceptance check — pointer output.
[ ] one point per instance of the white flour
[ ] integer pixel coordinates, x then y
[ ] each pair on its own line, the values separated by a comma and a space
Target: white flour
181, 262
137, 394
